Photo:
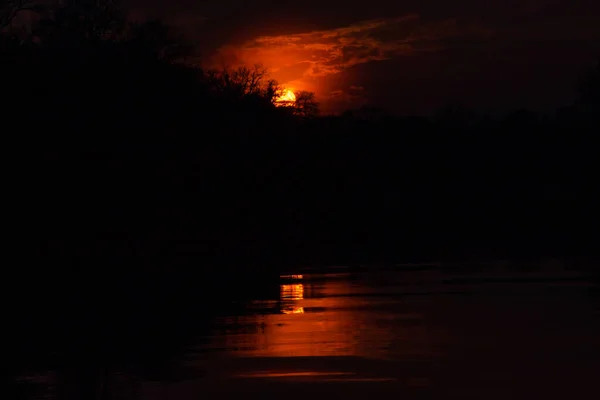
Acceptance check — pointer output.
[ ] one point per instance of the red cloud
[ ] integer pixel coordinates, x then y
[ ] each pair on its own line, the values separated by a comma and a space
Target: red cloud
298, 60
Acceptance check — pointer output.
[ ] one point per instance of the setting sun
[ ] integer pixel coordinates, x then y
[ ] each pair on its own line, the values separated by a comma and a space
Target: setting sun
286, 98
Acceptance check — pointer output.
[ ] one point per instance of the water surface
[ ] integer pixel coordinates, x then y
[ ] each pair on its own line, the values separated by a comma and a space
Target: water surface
462, 331
425, 333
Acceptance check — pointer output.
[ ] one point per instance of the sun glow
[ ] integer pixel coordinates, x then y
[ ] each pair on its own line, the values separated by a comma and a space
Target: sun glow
286, 98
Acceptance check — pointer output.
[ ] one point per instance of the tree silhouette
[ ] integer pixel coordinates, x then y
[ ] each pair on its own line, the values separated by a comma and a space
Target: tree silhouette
244, 83
273, 90
306, 105
77, 20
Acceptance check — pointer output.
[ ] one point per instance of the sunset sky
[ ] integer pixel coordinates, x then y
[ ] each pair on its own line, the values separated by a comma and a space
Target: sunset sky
409, 56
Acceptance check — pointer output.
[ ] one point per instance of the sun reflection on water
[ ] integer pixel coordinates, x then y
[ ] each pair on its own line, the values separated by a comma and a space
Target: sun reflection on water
293, 310
311, 318
292, 276
292, 292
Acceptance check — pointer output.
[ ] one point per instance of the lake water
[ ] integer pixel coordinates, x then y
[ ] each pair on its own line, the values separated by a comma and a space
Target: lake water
494, 332
424, 333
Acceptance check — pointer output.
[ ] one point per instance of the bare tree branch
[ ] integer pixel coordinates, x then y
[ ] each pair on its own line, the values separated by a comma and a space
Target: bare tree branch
243, 82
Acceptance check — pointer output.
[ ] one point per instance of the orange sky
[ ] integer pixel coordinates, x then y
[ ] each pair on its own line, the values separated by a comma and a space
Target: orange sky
312, 60
411, 57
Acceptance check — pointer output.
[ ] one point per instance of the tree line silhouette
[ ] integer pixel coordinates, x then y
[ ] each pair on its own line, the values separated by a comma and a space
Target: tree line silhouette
143, 184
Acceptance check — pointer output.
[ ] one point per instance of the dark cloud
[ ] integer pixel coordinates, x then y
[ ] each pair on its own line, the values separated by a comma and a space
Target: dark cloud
324, 52
410, 55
